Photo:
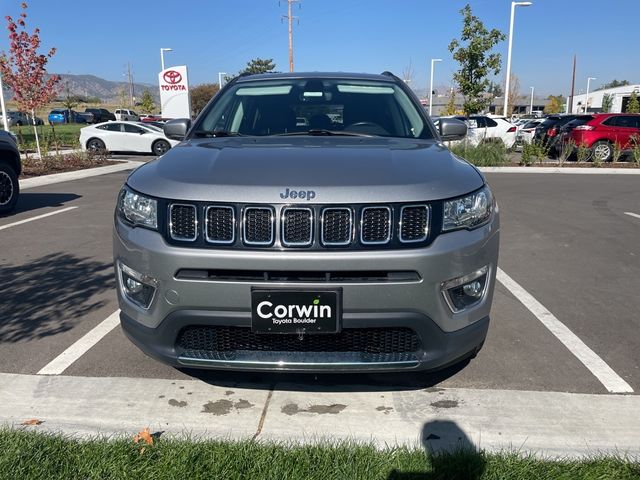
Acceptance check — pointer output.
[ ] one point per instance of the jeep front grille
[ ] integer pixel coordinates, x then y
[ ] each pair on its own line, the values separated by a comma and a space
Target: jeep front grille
375, 225
258, 226
314, 227
337, 226
220, 223
414, 223
183, 222
297, 227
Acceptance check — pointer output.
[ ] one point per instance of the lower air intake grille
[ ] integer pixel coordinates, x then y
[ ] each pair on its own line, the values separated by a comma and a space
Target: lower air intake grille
258, 226
376, 225
183, 222
366, 340
415, 223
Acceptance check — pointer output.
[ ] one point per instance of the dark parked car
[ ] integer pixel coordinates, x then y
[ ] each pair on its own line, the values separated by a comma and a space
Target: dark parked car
62, 115
547, 132
100, 114
10, 168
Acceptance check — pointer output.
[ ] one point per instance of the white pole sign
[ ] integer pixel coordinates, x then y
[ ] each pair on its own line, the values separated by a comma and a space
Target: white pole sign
174, 92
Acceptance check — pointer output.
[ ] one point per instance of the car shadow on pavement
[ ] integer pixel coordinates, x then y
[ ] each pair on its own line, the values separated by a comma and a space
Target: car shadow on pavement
32, 201
50, 295
325, 382
450, 452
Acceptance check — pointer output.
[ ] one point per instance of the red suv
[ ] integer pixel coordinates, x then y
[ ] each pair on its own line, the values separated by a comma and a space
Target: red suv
601, 130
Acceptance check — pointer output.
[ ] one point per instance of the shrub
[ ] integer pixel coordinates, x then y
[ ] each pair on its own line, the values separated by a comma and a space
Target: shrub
532, 152
616, 152
487, 154
635, 149
583, 153
566, 150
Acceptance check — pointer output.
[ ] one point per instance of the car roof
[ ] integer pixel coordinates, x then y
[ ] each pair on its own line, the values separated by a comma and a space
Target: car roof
317, 75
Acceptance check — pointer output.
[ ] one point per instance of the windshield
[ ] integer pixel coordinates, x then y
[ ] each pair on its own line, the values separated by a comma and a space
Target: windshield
315, 106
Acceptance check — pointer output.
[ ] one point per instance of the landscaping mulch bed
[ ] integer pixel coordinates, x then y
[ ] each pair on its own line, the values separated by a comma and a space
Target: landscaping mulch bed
34, 167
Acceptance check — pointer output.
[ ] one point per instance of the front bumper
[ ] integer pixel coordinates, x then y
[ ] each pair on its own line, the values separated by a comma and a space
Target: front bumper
445, 337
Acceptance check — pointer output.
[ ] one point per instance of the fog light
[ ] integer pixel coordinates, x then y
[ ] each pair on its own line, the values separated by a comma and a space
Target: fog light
467, 291
136, 287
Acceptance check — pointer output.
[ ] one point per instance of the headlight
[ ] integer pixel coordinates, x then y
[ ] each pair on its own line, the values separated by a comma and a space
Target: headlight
469, 212
137, 209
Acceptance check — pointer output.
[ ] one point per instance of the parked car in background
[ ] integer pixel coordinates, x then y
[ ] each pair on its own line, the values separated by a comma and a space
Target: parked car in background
63, 115
601, 131
527, 130
20, 118
125, 137
88, 117
547, 132
492, 129
100, 114
10, 168
124, 114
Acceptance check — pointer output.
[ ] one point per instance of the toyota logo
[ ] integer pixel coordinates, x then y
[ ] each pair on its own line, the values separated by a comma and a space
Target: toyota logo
172, 77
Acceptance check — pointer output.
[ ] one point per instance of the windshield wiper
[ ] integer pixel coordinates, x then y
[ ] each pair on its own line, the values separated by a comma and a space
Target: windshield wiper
318, 132
216, 133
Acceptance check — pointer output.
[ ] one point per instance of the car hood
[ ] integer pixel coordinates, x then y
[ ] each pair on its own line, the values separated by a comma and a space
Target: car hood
337, 170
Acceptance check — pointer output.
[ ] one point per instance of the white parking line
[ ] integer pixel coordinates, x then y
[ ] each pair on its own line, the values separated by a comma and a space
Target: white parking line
82, 346
631, 214
596, 365
44, 215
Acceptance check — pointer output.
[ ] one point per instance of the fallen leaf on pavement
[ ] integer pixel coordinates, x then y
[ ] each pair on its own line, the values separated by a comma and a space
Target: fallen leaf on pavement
144, 436
32, 421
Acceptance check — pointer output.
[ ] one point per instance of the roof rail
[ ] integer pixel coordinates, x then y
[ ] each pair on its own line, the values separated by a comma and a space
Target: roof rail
389, 74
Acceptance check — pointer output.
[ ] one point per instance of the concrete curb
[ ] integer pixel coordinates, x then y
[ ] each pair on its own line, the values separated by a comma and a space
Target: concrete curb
564, 170
77, 174
543, 423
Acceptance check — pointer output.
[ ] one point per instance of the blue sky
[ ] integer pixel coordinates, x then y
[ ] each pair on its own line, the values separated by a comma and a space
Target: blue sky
348, 35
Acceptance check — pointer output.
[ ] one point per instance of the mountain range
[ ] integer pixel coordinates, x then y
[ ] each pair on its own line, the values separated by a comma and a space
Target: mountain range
107, 91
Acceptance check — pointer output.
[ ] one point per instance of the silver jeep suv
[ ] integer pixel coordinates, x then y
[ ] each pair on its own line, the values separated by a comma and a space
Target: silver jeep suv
308, 222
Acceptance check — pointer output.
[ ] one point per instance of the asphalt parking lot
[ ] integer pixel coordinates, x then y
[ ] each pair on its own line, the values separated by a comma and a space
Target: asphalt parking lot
566, 242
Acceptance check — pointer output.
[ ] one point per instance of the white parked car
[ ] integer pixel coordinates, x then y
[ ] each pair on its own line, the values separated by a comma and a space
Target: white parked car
527, 131
125, 137
124, 114
492, 129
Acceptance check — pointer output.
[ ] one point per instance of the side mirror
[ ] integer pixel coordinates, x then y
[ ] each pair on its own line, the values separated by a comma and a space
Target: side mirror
177, 129
452, 129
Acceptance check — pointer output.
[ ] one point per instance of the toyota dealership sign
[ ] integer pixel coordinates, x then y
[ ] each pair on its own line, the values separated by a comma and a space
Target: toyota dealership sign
174, 92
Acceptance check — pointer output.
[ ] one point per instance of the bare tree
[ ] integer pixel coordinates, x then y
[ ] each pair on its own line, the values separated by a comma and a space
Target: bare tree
408, 74
514, 91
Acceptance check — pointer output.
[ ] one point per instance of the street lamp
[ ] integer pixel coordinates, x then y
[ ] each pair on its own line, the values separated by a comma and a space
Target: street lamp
220, 74
506, 83
586, 98
162, 50
2, 106
433, 60
531, 106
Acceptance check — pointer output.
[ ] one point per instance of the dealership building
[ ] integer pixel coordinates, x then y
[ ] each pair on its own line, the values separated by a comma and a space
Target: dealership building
620, 96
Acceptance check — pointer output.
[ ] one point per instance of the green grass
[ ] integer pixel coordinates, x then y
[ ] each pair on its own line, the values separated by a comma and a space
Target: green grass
484, 155
66, 135
28, 455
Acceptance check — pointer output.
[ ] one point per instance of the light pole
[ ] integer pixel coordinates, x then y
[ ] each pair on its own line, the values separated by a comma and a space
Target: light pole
162, 50
433, 60
506, 83
531, 106
4, 110
220, 74
586, 98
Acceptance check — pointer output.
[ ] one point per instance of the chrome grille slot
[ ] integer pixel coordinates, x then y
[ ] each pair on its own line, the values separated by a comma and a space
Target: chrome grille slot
183, 222
337, 226
375, 225
258, 226
297, 227
414, 223
220, 224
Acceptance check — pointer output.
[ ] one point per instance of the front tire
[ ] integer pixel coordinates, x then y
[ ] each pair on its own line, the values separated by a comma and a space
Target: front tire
9, 188
602, 151
96, 145
160, 147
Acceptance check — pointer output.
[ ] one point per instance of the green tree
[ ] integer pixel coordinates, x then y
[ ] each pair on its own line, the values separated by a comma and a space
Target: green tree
473, 53
259, 65
555, 104
147, 105
634, 105
607, 102
613, 84
201, 94
450, 109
